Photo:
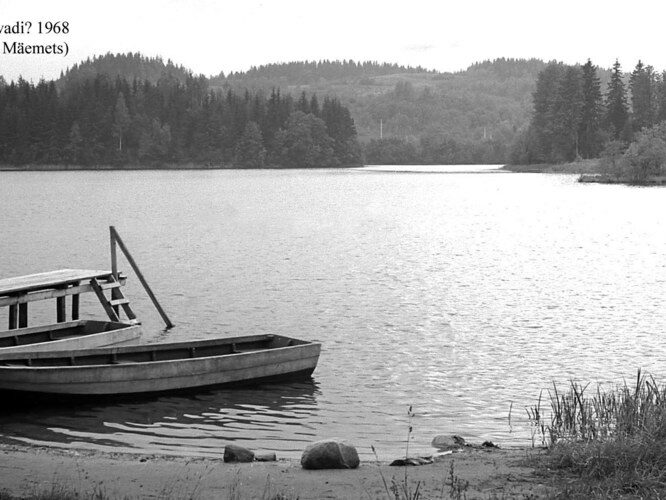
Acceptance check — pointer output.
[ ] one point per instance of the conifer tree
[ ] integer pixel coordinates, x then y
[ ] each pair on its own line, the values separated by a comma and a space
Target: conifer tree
543, 131
643, 103
589, 131
617, 114
661, 98
566, 115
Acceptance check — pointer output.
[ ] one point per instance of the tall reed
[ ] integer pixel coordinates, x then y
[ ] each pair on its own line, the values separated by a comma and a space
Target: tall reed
617, 436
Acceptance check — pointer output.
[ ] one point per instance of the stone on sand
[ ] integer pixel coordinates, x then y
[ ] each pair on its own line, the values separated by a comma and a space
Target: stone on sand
330, 454
235, 453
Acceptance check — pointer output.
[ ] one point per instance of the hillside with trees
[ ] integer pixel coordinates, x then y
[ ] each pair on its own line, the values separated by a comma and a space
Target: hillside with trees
401, 114
411, 115
574, 117
100, 121
126, 66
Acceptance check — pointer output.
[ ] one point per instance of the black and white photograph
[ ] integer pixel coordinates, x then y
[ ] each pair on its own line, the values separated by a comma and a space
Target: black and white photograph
296, 249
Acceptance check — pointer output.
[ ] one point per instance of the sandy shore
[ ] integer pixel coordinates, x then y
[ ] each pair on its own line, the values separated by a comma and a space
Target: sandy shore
26, 471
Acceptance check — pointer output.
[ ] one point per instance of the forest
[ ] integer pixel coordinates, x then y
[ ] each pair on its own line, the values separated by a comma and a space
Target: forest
128, 109
407, 115
95, 120
573, 118
401, 114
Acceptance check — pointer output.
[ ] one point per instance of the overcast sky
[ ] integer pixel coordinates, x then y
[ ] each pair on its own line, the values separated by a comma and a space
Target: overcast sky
209, 36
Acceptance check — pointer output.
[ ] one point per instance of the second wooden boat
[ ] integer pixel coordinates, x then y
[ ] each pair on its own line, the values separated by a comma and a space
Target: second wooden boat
151, 368
79, 334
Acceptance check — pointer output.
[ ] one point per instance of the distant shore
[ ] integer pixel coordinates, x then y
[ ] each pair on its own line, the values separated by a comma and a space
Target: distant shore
607, 179
198, 166
589, 172
28, 471
575, 167
167, 166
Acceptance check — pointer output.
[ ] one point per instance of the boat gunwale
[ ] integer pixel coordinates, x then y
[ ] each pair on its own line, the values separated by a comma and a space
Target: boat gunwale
157, 364
17, 332
110, 351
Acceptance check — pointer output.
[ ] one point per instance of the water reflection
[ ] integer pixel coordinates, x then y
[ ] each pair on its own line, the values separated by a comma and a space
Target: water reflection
278, 416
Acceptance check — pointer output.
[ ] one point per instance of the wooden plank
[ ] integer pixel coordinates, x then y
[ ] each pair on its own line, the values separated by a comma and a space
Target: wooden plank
112, 284
44, 295
52, 294
52, 279
23, 315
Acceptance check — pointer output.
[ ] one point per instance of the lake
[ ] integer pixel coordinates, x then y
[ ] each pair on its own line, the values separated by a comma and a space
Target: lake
462, 293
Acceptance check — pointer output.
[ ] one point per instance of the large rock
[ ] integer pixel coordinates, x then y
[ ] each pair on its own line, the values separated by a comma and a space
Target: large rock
443, 442
330, 454
235, 453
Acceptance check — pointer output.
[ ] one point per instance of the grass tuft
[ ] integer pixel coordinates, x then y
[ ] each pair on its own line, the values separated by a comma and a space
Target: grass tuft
615, 441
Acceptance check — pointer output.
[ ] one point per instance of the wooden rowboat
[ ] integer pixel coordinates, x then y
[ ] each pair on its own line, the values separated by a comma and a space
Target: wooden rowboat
154, 368
70, 335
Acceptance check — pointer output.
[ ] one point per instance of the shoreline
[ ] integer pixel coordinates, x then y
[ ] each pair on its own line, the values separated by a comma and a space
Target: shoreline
575, 167
607, 179
193, 166
123, 168
34, 470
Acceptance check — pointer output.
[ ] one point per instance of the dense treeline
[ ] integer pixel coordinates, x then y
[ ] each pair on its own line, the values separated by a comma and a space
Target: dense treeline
470, 116
92, 121
572, 118
130, 66
305, 72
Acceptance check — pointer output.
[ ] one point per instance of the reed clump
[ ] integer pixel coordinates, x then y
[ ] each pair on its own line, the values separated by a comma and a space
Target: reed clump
613, 441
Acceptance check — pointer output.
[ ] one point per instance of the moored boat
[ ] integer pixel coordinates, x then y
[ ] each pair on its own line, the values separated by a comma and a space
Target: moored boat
78, 334
18, 292
152, 368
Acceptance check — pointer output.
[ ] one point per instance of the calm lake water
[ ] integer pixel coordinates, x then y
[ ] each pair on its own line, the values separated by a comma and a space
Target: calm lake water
462, 294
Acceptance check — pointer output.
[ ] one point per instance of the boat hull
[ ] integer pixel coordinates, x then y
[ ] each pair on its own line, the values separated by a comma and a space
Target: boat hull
82, 334
129, 377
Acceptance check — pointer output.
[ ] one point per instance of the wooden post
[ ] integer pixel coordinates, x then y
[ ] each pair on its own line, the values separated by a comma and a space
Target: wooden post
23, 315
116, 239
61, 312
75, 307
13, 316
114, 268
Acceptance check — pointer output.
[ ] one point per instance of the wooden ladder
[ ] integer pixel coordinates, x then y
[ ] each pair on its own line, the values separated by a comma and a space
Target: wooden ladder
111, 306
